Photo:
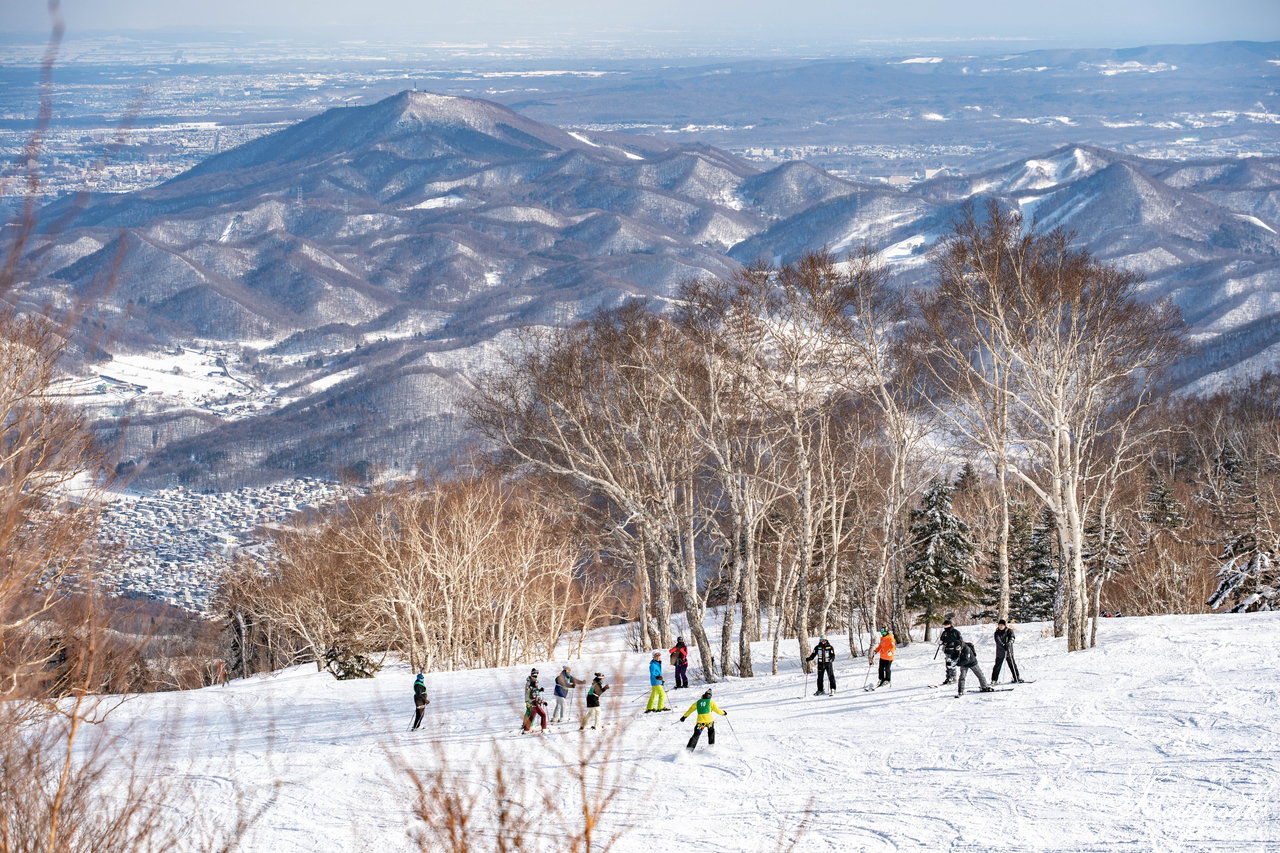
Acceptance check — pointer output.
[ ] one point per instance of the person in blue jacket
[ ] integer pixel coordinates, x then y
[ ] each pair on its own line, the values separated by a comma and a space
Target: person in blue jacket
657, 694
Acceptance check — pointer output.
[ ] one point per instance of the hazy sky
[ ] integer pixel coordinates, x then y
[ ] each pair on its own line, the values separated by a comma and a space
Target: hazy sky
1076, 22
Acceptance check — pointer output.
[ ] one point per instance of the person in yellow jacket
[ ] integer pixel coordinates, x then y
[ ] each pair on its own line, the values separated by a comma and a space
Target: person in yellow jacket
706, 706
886, 649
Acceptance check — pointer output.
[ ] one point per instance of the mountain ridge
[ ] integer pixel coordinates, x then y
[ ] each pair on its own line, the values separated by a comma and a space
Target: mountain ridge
363, 262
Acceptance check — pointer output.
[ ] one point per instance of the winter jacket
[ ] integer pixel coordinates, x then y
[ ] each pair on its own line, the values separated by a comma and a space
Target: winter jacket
824, 652
951, 638
705, 708
564, 683
594, 692
420, 693
679, 655
887, 647
1004, 638
968, 656
655, 673
532, 692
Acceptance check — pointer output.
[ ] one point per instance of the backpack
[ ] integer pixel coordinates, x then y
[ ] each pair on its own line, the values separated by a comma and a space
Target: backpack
969, 656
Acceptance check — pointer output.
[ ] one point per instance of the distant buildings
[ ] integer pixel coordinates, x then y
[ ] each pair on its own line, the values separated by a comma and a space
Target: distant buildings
172, 545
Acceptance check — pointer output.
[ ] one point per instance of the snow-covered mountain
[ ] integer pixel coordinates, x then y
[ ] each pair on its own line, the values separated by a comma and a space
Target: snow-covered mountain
1158, 739
344, 276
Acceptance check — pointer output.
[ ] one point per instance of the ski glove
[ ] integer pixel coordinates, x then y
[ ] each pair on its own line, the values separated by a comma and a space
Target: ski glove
682, 719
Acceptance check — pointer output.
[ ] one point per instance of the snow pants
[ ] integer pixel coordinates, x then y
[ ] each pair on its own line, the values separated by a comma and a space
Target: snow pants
886, 667
697, 733
557, 715
982, 680
528, 716
1003, 655
828, 669
682, 675
657, 699
592, 718
418, 708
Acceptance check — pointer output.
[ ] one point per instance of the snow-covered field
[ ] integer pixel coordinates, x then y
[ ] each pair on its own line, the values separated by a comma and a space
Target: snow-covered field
1163, 738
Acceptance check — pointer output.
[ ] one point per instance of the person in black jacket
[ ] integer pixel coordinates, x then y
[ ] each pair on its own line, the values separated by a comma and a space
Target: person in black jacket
420, 700
951, 643
594, 692
968, 661
1004, 652
826, 655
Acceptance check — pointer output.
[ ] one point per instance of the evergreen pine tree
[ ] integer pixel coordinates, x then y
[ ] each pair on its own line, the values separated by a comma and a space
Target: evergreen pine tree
1160, 508
1036, 584
1105, 552
1019, 560
939, 576
1249, 579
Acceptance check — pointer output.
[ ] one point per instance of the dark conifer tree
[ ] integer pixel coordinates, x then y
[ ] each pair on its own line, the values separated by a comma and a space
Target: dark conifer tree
1035, 584
940, 575
1249, 579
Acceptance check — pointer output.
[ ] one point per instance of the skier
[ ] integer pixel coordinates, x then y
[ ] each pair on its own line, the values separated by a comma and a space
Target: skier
420, 700
564, 683
594, 692
826, 655
951, 641
886, 649
1004, 651
706, 706
657, 695
533, 702
969, 661
680, 660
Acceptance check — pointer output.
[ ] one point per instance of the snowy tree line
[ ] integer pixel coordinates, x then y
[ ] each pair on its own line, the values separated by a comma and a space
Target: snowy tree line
811, 450
456, 573
762, 445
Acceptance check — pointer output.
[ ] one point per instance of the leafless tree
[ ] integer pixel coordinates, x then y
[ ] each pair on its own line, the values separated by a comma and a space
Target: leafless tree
1058, 360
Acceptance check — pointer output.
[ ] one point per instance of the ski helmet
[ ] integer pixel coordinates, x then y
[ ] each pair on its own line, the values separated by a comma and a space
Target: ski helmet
657, 654
420, 677
884, 632
679, 640
707, 695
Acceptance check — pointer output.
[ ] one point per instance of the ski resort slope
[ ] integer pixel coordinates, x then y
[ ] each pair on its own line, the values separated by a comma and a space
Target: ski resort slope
1163, 738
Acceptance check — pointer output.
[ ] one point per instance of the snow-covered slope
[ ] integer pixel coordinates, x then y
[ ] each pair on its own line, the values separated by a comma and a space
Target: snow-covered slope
1160, 739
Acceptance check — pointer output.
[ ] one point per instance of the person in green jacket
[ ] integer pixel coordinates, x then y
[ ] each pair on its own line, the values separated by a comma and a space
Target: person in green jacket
706, 706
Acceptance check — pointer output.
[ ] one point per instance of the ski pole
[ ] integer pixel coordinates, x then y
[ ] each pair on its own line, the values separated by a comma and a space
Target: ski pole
935, 651
867, 679
804, 683
733, 732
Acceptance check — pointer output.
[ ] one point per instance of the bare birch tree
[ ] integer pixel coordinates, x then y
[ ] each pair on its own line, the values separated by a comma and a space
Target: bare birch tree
1062, 340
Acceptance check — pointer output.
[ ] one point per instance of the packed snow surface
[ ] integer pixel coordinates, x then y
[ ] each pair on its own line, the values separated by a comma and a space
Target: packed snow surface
1163, 738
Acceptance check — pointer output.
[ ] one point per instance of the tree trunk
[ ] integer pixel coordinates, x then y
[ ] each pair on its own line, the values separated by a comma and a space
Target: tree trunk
1002, 537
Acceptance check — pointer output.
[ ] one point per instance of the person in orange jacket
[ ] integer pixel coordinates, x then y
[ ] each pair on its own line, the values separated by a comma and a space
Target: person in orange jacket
886, 649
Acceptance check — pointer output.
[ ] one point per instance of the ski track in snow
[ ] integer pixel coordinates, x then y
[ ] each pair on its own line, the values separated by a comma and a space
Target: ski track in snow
1160, 739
